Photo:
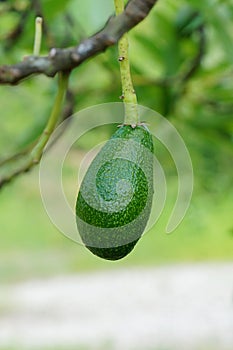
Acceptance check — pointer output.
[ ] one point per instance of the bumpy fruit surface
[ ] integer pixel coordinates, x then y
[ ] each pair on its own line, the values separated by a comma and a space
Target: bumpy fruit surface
115, 197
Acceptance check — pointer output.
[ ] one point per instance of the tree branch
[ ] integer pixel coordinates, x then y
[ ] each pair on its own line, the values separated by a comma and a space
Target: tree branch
69, 58
66, 60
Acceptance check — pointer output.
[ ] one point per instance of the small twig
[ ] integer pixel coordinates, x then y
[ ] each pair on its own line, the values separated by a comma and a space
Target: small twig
16, 156
24, 152
34, 157
181, 79
38, 36
195, 63
67, 113
218, 106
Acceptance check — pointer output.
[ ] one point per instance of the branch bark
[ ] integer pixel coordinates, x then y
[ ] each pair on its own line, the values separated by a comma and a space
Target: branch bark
70, 58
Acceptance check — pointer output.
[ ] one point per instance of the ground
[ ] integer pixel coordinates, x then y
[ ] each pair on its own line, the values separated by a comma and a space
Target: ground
183, 306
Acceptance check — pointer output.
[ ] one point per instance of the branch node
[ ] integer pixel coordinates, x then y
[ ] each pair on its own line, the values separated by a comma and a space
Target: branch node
75, 56
110, 41
85, 47
52, 52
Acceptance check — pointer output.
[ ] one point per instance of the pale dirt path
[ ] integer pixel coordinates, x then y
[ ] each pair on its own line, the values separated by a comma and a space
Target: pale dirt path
170, 307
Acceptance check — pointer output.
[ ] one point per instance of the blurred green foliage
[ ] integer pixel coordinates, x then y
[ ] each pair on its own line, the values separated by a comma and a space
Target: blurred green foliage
181, 62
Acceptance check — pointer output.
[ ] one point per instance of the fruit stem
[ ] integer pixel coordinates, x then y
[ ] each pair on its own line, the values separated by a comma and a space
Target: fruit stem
37, 151
34, 157
128, 93
38, 36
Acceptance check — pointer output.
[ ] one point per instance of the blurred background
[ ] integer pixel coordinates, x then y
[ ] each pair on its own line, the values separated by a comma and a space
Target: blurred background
181, 63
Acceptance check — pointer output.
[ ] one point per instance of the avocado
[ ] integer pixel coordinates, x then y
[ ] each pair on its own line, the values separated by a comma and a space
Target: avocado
115, 197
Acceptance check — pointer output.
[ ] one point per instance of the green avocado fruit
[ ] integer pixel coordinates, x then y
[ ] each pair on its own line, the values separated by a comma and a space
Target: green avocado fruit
115, 197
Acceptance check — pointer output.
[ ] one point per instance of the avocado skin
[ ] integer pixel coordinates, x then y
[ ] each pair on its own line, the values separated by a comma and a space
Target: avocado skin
115, 253
115, 197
